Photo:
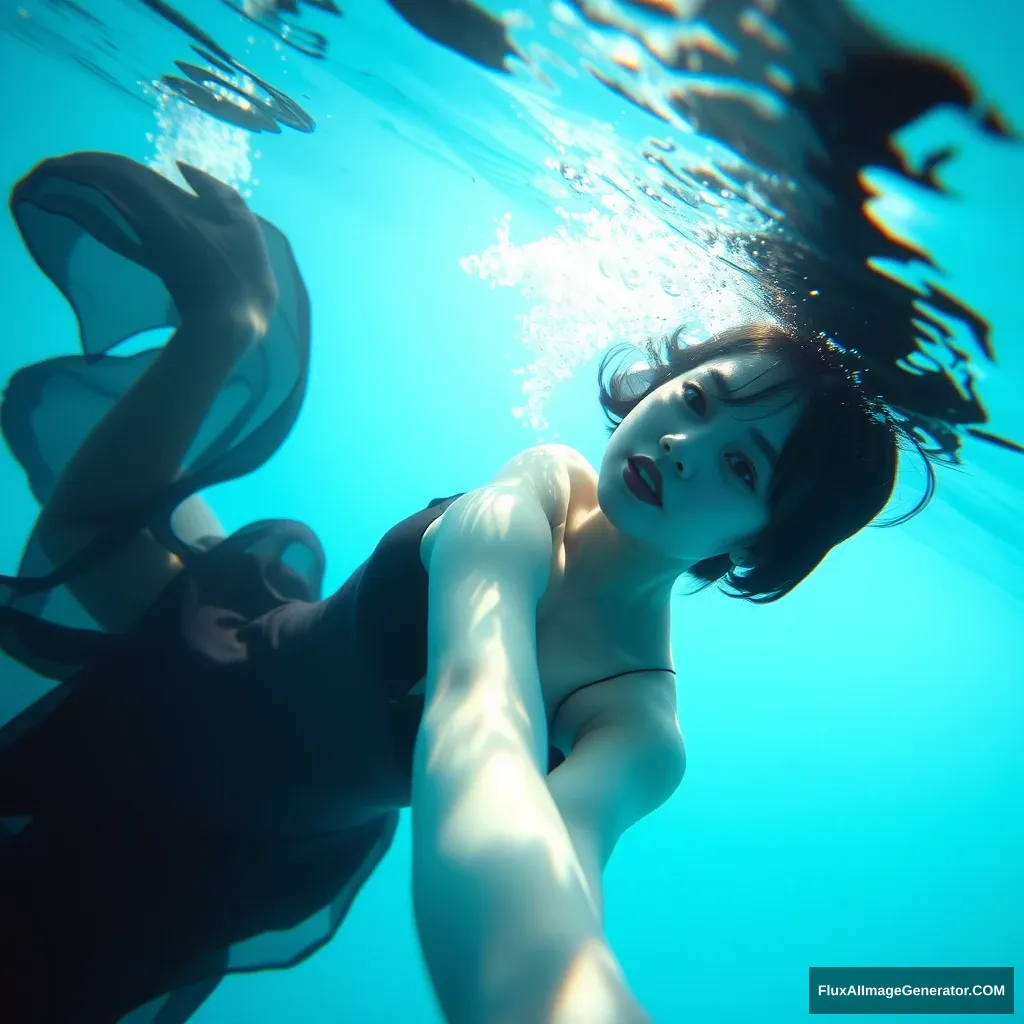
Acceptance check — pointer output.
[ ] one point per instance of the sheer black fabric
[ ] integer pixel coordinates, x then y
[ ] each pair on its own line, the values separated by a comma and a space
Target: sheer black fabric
79, 217
207, 793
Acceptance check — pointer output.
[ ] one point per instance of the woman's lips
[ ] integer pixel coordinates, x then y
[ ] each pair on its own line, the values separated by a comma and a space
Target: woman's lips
637, 484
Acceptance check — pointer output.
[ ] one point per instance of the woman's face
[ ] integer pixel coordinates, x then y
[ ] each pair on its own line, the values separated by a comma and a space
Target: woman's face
687, 474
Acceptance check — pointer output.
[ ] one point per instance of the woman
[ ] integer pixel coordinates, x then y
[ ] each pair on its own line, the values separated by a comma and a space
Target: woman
223, 764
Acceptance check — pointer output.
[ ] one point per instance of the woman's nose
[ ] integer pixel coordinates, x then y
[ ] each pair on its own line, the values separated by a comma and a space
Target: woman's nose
673, 449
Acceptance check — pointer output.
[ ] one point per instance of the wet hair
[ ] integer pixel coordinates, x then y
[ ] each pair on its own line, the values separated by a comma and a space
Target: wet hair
835, 474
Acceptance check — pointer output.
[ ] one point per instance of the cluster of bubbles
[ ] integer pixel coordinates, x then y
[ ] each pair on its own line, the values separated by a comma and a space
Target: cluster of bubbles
614, 273
769, 113
623, 264
186, 133
207, 113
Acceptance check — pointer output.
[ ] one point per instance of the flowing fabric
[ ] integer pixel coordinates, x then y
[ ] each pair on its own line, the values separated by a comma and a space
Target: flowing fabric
204, 794
79, 217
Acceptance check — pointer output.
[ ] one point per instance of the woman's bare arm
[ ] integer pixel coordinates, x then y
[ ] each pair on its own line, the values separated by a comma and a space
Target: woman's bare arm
508, 927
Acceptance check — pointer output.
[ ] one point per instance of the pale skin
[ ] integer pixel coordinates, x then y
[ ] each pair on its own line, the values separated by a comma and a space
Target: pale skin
549, 577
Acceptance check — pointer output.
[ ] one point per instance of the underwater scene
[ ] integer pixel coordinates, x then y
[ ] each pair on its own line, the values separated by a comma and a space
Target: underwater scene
513, 512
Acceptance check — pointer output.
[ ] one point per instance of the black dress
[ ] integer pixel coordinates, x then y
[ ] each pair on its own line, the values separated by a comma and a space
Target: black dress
208, 793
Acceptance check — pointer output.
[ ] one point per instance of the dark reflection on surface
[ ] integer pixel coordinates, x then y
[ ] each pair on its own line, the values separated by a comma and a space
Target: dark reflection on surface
255, 105
461, 26
771, 113
76, 9
804, 100
278, 17
797, 99
222, 103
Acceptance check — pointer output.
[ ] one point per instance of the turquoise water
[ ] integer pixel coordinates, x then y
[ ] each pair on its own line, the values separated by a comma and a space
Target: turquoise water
855, 778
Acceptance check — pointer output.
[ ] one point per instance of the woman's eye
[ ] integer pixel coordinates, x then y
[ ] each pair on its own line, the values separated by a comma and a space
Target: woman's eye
694, 398
744, 470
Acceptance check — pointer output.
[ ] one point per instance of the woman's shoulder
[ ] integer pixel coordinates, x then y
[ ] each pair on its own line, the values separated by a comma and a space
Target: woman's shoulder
582, 475
559, 476
551, 474
554, 455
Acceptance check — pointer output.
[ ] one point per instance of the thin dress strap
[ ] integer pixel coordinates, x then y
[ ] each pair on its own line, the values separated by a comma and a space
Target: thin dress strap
605, 679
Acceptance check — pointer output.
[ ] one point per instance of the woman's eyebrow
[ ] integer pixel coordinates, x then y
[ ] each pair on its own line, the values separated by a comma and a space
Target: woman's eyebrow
762, 443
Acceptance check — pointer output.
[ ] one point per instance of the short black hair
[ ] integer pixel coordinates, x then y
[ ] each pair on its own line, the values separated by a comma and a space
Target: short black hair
836, 472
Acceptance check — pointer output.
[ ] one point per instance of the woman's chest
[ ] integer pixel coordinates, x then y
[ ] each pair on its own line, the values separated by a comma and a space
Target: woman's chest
586, 629
587, 632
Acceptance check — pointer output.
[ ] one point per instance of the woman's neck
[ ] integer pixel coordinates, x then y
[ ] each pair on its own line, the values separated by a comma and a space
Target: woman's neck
610, 566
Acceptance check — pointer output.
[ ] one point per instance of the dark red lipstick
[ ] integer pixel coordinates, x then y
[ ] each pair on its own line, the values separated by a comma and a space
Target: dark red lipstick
639, 470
